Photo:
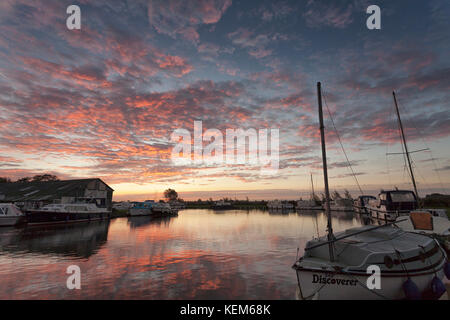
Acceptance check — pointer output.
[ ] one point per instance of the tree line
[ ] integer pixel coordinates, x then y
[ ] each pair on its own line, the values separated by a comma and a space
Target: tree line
36, 178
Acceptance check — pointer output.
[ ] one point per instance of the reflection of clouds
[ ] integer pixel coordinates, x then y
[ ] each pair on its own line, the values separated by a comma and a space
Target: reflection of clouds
197, 255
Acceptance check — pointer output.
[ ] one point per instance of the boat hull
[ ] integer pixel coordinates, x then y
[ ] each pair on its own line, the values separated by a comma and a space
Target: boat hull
136, 212
11, 221
49, 217
322, 285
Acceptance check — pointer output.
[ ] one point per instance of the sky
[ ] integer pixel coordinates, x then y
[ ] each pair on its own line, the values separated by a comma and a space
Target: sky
103, 101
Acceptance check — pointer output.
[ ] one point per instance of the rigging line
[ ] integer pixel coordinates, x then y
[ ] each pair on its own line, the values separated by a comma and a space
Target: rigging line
436, 170
340, 142
424, 141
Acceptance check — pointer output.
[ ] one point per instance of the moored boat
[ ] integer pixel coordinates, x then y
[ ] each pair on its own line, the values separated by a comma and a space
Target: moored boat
341, 204
360, 204
432, 222
391, 204
10, 215
141, 208
339, 266
222, 205
66, 213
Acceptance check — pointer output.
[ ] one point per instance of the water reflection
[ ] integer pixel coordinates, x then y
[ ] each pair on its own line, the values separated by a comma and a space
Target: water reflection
197, 255
78, 240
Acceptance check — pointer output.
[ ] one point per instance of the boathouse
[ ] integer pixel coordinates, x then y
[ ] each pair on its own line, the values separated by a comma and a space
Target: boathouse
35, 194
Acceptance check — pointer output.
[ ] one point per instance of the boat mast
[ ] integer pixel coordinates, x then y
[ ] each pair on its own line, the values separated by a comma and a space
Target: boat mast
325, 175
312, 186
406, 147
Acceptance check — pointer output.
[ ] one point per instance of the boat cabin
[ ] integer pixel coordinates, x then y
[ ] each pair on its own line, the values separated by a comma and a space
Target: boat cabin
362, 201
397, 200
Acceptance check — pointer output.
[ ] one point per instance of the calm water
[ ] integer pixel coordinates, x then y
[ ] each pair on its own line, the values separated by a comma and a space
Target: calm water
201, 254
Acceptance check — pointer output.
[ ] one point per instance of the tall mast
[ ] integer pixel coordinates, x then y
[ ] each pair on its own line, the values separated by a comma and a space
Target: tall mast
406, 147
325, 175
312, 186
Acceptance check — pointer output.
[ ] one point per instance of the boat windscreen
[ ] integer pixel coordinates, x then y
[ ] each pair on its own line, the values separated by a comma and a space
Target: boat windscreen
402, 197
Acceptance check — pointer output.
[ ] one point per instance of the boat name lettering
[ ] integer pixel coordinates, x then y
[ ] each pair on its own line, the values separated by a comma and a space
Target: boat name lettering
331, 280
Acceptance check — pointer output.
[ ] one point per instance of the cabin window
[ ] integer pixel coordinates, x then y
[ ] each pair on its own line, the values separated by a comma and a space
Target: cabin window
402, 197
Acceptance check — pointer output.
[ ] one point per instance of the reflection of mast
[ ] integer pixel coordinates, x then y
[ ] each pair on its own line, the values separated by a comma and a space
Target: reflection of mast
325, 175
406, 147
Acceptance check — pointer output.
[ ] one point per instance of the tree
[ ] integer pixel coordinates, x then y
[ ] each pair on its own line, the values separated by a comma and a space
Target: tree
24, 180
45, 177
170, 195
5, 180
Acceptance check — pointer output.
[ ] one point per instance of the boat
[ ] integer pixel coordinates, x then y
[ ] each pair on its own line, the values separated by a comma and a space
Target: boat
341, 205
312, 204
163, 209
337, 266
177, 205
152, 208
222, 205
360, 204
141, 208
66, 213
433, 222
10, 215
279, 205
391, 204
124, 205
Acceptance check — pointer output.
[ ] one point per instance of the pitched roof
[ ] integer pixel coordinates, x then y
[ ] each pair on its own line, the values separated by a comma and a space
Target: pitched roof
44, 190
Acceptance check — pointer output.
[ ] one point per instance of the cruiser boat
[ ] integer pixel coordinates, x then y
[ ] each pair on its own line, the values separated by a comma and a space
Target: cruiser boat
10, 215
342, 204
279, 205
392, 204
337, 266
163, 209
360, 204
141, 208
308, 205
222, 205
64, 213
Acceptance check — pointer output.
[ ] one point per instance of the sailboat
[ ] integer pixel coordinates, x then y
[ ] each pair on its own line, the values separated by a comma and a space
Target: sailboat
339, 266
312, 203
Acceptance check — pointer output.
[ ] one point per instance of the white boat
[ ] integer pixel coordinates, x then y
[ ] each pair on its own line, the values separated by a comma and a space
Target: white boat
124, 205
67, 212
341, 204
392, 203
163, 209
141, 208
336, 266
312, 203
222, 205
432, 222
10, 215
279, 205
400, 256
360, 204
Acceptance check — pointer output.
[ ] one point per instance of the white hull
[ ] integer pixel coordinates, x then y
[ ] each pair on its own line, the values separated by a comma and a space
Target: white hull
354, 287
341, 209
308, 208
135, 212
10, 221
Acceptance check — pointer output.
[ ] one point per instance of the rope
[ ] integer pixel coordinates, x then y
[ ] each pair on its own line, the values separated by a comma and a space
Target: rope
342, 147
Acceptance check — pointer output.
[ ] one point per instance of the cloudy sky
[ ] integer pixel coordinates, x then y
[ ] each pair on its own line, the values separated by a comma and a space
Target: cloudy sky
103, 101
